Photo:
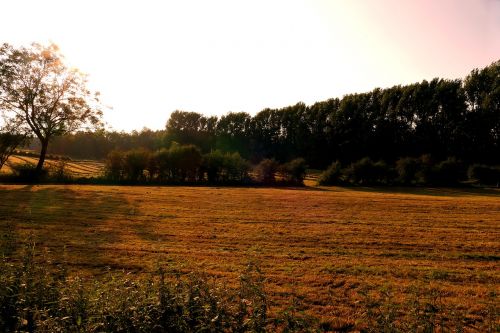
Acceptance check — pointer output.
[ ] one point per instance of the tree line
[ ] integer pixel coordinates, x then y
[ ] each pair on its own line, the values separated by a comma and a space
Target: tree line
187, 164
423, 170
42, 99
442, 118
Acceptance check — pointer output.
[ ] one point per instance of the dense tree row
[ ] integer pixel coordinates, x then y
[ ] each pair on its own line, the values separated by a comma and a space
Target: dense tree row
186, 164
442, 118
409, 171
98, 144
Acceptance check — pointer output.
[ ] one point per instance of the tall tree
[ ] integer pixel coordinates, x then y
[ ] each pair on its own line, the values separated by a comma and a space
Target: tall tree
482, 91
42, 94
192, 128
233, 132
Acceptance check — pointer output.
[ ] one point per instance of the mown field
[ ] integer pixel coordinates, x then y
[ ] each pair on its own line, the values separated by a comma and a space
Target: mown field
76, 169
321, 250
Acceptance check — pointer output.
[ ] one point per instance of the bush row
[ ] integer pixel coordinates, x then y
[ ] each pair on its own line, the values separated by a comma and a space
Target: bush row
410, 171
186, 164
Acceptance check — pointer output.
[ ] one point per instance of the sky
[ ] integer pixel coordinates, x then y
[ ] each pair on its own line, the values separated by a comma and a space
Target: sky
149, 58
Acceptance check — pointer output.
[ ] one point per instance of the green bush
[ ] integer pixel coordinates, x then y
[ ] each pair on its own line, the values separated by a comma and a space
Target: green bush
407, 169
114, 165
447, 173
294, 172
58, 171
8, 143
185, 162
484, 174
135, 163
236, 167
161, 165
266, 171
332, 176
177, 164
426, 170
225, 167
27, 172
213, 163
367, 172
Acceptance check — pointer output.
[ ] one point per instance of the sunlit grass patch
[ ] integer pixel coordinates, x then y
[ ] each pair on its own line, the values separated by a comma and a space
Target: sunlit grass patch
323, 247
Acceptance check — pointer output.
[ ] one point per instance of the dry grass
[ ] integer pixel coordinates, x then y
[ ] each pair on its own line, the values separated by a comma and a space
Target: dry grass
80, 168
320, 247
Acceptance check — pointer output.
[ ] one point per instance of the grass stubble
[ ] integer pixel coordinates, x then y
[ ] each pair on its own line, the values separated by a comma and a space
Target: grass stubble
337, 254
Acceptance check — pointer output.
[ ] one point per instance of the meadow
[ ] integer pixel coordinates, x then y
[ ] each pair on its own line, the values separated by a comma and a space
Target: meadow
72, 168
327, 252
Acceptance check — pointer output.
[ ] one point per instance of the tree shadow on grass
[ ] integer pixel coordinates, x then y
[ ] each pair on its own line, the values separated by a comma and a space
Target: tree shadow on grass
428, 191
73, 225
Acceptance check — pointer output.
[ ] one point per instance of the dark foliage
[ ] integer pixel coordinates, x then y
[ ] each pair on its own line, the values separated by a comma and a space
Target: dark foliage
367, 172
266, 171
178, 164
407, 169
440, 118
224, 167
294, 172
484, 174
41, 95
447, 173
333, 175
9, 141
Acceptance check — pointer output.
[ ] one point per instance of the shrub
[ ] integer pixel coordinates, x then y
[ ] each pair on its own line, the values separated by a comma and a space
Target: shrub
295, 171
236, 167
114, 166
27, 172
185, 162
213, 163
8, 143
367, 172
227, 167
407, 169
163, 163
135, 163
266, 171
332, 175
58, 171
484, 174
425, 174
447, 173
152, 166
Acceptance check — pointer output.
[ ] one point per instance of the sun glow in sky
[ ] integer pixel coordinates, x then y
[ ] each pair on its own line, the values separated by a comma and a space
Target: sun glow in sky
149, 58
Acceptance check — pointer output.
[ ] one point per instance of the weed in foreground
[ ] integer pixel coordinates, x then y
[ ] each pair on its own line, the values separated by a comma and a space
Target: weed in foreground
34, 298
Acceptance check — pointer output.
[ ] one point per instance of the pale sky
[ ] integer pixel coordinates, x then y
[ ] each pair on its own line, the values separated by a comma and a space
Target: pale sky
149, 58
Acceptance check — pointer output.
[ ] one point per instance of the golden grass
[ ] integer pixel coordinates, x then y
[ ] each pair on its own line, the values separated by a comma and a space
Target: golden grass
321, 246
79, 168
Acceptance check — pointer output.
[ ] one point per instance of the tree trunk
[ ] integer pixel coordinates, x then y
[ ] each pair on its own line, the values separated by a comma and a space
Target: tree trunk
43, 152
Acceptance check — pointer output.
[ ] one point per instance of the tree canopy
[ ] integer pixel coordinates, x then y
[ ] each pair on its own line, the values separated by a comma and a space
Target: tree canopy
442, 118
40, 93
